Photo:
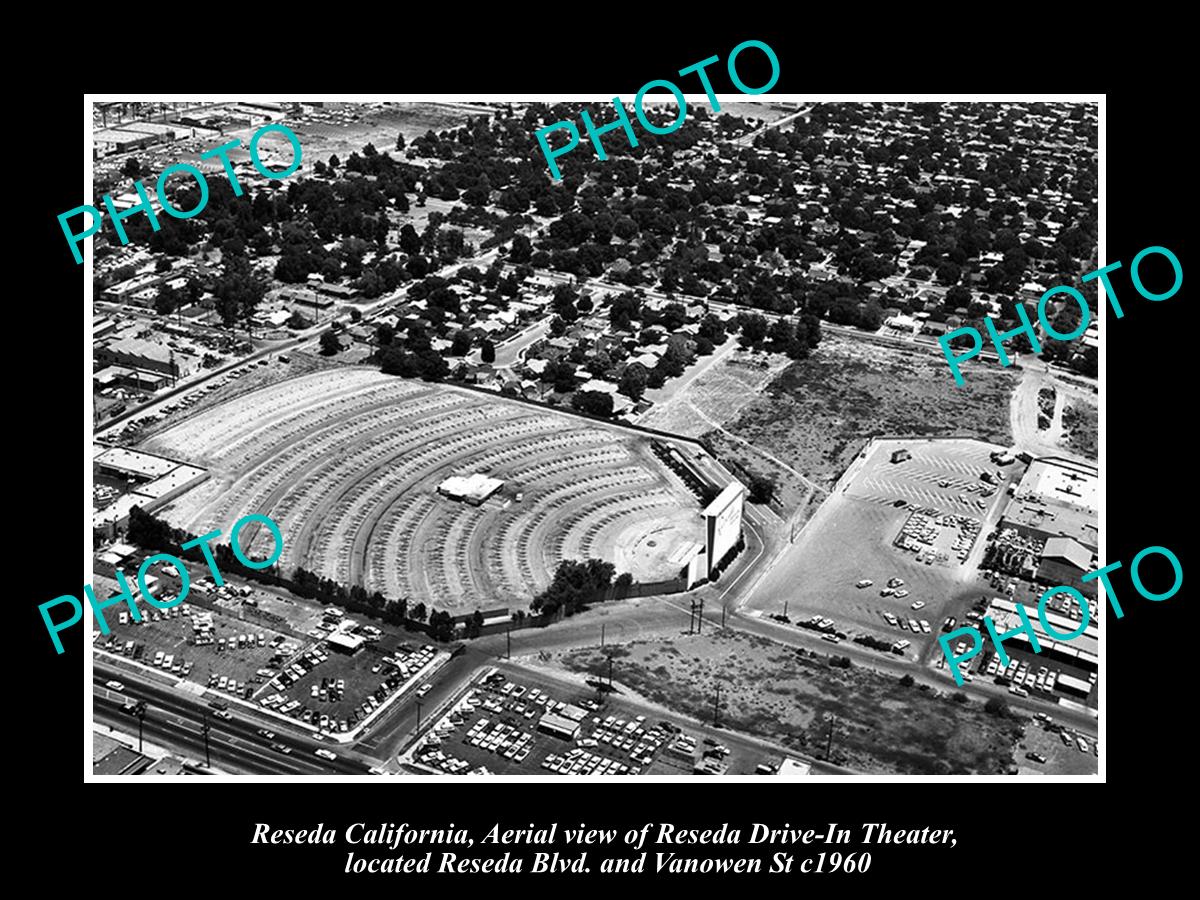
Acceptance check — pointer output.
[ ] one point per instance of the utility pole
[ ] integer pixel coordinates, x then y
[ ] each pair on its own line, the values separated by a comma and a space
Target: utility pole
724, 609
508, 637
602, 634
700, 618
785, 605
829, 743
204, 729
717, 707
610, 667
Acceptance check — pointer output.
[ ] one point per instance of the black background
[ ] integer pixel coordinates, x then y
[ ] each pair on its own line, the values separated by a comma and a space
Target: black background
1014, 833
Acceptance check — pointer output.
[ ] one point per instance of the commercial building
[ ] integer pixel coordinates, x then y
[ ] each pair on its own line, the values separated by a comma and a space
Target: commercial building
558, 726
342, 642
1076, 687
473, 489
1064, 561
137, 353
793, 768
1057, 498
1082, 652
153, 481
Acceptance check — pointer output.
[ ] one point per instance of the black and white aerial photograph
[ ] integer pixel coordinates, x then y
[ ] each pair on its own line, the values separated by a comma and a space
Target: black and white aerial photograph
445, 449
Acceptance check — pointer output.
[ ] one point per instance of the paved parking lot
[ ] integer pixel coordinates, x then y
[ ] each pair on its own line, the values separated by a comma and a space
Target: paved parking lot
494, 728
852, 540
1062, 750
218, 646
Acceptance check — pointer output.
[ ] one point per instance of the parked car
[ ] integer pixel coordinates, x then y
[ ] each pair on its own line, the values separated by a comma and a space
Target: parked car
865, 583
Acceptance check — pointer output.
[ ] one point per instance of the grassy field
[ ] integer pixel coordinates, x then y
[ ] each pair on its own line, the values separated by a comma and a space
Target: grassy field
817, 414
775, 692
1081, 423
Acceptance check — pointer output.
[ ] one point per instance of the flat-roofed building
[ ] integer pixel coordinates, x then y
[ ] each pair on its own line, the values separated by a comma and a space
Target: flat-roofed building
473, 489
558, 726
137, 353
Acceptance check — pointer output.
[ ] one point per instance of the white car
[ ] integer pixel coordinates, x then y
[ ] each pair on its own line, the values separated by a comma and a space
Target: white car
917, 604
114, 685
424, 689
325, 754
901, 594
925, 626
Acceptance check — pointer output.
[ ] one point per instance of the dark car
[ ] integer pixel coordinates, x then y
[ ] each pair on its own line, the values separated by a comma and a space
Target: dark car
1036, 757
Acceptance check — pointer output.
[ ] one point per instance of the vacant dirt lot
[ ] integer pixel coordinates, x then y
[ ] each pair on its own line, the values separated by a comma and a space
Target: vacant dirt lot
1081, 425
818, 413
781, 694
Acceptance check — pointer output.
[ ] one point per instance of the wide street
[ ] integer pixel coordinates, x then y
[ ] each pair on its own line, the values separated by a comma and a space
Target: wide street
176, 720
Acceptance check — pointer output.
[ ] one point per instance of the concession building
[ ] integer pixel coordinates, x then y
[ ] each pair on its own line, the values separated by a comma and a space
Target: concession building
473, 489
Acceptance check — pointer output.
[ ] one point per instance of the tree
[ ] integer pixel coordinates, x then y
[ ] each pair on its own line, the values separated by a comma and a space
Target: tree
907, 681
167, 301
872, 316
239, 290
563, 303
398, 361
623, 310
460, 344
596, 403
132, 168
997, 707
330, 343
297, 321
385, 334
762, 488
400, 141
410, 241
672, 363
633, 381
575, 584
753, 328
487, 351
417, 613
475, 624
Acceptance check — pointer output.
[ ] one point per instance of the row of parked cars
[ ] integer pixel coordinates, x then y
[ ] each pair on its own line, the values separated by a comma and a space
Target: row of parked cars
913, 625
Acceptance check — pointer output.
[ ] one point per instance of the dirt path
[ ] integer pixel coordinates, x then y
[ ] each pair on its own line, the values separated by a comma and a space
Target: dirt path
1023, 412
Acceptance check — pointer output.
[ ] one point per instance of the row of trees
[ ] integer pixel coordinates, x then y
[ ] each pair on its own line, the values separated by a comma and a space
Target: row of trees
794, 337
576, 584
